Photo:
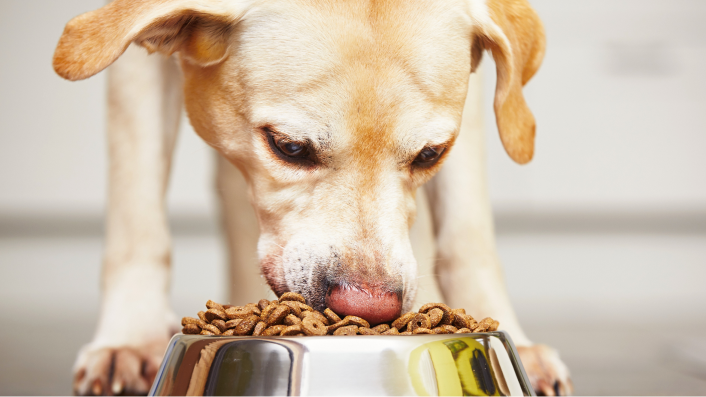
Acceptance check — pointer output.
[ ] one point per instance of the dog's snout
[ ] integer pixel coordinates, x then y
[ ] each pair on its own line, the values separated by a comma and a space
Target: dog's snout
375, 305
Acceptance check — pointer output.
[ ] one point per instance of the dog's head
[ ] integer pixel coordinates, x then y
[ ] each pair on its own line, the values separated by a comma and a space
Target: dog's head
335, 112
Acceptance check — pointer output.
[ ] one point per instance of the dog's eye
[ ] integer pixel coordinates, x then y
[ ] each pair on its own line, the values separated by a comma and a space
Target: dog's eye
288, 150
429, 156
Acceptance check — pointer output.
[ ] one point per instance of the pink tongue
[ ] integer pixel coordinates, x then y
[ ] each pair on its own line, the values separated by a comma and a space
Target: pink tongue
373, 305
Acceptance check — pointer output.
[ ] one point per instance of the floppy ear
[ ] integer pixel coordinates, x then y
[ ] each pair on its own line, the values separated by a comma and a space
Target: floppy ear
512, 31
198, 29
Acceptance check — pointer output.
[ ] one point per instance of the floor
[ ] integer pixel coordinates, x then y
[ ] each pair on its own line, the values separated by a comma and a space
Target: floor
626, 311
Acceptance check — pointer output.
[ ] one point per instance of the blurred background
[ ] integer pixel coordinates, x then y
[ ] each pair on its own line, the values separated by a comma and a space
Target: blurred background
603, 235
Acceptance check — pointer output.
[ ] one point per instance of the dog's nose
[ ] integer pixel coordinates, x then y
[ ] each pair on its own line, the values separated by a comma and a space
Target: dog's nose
372, 304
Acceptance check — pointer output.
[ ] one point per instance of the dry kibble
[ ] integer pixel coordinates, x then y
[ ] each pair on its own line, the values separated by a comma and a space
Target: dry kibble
420, 320
213, 305
347, 330
246, 326
435, 316
312, 326
274, 330
381, 328
292, 296
294, 309
291, 319
353, 320
278, 315
268, 310
291, 316
263, 303
233, 323
220, 324
215, 314
403, 320
331, 316
316, 315
191, 329
259, 328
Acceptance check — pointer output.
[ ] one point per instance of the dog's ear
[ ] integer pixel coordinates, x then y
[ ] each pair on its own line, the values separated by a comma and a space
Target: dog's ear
198, 29
514, 34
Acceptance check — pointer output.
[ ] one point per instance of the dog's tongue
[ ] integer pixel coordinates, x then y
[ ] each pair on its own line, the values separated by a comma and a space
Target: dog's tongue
373, 305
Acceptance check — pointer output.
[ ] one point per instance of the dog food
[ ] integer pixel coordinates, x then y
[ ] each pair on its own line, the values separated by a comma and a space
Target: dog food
291, 316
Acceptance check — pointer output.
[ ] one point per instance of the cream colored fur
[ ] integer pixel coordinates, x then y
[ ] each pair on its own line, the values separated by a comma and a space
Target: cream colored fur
367, 85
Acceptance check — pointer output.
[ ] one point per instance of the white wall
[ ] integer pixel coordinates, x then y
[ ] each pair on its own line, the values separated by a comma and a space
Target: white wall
619, 102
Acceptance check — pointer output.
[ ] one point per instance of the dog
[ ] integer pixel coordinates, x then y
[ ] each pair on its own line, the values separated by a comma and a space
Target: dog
335, 112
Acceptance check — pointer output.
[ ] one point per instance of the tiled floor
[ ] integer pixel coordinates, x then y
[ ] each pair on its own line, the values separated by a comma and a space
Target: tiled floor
625, 311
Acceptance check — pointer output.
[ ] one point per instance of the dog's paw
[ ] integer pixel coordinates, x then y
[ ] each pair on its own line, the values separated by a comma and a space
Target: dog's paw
117, 370
547, 373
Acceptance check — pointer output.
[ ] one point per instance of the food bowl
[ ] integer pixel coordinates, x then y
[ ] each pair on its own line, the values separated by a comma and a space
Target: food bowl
482, 364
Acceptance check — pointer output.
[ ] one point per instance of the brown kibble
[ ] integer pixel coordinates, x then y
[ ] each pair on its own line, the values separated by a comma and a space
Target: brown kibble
450, 329
246, 326
429, 306
293, 307
291, 330
420, 320
435, 315
220, 324
317, 315
241, 312
278, 315
274, 330
463, 331
367, 331
347, 330
403, 320
313, 326
380, 328
259, 328
406, 333
484, 325
206, 332
215, 314
213, 305
263, 303
202, 316
459, 311
212, 328
190, 320
192, 329
421, 330
462, 320
391, 331
268, 310
229, 332
494, 327
233, 323
291, 296
291, 319
331, 316
338, 325
354, 320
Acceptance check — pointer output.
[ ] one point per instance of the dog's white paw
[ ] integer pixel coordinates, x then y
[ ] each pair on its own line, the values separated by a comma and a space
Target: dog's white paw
117, 370
547, 373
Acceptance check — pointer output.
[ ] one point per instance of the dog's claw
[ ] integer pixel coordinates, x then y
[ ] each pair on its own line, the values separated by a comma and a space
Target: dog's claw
547, 373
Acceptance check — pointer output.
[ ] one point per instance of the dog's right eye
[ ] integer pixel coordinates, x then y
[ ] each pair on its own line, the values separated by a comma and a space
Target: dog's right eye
289, 150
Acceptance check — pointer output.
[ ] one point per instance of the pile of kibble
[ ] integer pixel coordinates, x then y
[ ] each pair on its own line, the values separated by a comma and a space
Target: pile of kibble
291, 316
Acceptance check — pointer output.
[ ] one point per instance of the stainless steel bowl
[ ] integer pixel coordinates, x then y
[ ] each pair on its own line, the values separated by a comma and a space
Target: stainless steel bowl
483, 364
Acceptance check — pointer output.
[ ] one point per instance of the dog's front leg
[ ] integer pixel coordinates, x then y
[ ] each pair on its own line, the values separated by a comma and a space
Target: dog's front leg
136, 321
468, 268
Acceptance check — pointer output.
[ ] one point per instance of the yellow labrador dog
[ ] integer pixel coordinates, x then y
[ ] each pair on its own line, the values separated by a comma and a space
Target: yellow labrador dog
335, 112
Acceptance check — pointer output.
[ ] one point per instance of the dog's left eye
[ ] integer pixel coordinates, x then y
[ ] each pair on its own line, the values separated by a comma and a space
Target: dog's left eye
429, 156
